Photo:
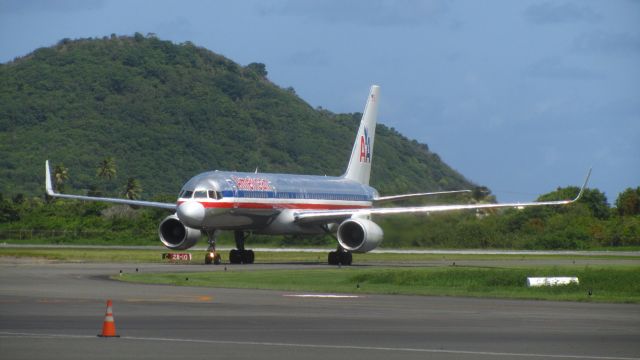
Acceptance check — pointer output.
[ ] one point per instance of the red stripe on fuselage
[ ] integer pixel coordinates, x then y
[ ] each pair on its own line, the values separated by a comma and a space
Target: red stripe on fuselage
253, 205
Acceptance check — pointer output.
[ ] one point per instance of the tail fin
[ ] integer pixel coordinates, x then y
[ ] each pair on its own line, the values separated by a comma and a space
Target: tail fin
359, 168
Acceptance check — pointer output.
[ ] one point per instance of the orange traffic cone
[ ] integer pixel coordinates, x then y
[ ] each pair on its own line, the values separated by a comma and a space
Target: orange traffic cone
109, 326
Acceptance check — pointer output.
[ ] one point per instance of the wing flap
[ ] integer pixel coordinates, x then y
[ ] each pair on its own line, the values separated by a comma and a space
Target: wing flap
338, 215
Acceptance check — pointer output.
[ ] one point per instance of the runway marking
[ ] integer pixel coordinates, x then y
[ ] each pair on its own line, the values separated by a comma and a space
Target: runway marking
178, 298
6, 334
323, 296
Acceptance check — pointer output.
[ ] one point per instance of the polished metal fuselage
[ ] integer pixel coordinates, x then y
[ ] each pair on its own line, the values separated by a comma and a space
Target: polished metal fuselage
266, 203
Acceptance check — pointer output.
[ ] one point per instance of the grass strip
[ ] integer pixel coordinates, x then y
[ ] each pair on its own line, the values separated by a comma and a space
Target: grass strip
155, 256
619, 284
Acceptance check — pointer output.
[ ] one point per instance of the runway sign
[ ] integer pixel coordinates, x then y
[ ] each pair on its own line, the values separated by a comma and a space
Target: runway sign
551, 281
177, 256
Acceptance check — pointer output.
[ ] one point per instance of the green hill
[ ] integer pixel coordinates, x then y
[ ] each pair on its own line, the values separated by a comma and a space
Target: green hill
168, 111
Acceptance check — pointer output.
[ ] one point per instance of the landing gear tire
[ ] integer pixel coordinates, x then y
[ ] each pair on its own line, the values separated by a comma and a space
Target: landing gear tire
340, 258
248, 256
212, 258
241, 256
235, 257
333, 258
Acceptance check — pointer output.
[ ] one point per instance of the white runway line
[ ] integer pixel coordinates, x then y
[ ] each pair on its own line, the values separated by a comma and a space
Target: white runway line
5, 334
325, 296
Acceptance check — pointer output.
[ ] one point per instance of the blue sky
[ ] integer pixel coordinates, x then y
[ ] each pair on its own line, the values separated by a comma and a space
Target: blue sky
521, 96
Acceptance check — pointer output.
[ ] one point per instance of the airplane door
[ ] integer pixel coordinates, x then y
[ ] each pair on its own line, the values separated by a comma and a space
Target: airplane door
234, 189
235, 197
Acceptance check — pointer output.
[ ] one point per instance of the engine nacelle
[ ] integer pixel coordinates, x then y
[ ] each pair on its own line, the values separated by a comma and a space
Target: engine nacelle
175, 235
359, 235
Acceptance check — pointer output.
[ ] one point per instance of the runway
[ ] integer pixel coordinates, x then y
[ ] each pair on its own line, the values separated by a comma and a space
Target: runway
54, 310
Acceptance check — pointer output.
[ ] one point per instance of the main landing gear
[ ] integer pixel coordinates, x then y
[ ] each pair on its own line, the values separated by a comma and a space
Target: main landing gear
236, 256
340, 257
240, 255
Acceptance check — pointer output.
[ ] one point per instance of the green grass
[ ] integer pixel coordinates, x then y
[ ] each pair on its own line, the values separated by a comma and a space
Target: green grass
608, 284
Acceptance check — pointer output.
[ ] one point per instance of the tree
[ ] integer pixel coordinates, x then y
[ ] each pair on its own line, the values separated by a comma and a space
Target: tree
481, 194
8, 211
60, 176
259, 68
628, 202
133, 189
107, 169
595, 200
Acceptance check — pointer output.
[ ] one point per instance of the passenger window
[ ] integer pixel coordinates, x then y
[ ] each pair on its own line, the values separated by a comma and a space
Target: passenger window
200, 194
187, 194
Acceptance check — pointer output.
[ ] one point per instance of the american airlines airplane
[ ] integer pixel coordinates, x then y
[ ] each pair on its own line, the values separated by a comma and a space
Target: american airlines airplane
286, 204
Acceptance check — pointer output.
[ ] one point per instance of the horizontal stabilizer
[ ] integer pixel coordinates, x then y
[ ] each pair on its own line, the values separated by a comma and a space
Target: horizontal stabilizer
382, 199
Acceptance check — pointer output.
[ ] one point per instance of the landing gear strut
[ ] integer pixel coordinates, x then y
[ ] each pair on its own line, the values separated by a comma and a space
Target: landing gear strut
240, 255
212, 256
340, 257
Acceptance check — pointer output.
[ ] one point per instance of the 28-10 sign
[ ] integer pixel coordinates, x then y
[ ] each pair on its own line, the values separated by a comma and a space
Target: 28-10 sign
177, 256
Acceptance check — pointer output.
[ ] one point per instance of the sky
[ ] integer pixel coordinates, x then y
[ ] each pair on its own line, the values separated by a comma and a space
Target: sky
519, 96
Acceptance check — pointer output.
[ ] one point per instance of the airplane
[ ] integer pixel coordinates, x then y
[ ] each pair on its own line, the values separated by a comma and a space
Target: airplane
288, 204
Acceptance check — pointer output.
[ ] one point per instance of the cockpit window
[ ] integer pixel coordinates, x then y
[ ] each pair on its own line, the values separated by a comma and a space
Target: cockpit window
200, 194
187, 194
215, 195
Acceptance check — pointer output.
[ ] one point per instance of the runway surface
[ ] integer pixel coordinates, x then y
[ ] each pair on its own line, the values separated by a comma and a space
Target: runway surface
577, 253
54, 310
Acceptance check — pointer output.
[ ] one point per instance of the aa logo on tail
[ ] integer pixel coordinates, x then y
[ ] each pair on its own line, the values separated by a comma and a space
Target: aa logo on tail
365, 147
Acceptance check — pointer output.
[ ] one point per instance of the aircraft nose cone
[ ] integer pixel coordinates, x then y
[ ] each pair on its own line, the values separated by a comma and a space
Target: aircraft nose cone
191, 213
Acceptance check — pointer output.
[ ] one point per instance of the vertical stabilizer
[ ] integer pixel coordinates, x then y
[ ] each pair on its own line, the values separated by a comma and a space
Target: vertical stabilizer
359, 168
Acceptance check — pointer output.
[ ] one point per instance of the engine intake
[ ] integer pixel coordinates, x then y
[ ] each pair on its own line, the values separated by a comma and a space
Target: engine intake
359, 235
175, 235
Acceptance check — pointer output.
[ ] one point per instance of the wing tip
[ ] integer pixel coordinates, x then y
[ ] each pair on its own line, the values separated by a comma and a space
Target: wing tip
48, 183
584, 185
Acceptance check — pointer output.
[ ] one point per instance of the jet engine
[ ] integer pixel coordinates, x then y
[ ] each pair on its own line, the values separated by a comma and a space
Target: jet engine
359, 235
175, 235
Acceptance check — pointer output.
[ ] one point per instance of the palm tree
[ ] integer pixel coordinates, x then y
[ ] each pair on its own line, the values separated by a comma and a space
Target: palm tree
133, 189
107, 169
60, 175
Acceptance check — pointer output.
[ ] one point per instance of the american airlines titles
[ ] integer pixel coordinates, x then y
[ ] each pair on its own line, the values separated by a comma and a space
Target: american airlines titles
248, 183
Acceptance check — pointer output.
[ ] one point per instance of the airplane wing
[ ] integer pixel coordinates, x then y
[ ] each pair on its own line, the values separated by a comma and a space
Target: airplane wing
339, 215
382, 199
52, 193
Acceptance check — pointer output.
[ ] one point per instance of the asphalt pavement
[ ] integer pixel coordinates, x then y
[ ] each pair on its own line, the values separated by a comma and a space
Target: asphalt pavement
54, 310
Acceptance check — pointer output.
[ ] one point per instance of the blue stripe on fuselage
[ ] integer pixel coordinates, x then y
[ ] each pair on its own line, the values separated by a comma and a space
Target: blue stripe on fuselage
296, 195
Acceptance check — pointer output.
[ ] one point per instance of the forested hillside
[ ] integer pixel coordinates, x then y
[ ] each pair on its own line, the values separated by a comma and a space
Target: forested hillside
163, 112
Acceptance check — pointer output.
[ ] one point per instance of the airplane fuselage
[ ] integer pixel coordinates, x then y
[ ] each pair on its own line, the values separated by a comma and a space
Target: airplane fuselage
264, 202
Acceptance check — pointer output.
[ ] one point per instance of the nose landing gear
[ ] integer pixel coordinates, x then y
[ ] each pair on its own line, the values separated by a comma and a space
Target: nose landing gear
212, 257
